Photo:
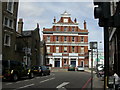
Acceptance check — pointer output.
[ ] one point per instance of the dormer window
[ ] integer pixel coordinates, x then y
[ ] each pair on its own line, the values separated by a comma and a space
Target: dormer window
65, 20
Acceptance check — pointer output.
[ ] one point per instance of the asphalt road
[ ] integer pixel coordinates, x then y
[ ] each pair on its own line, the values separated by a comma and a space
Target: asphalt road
55, 81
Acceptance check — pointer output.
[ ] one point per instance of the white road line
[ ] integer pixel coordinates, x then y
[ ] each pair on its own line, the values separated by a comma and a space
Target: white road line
37, 77
26, 80
8, 83
47, 80
18, 81
63, 84
26, 86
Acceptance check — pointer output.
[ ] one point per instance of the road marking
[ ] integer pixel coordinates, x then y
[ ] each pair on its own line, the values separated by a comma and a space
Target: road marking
37, 77
63, 84
26, 86
8, 83
26, 80
86, 83
18, 81
47, 80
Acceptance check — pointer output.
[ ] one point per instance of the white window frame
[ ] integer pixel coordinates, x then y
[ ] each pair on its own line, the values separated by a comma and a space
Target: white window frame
73, 29
57, 49
48, 38
9, 40
57, 39
82, 39
65, 49
73, 39
82, 50
65, 39
48, 49
12, 6
65, 29
57, 28
8, 22
73, 49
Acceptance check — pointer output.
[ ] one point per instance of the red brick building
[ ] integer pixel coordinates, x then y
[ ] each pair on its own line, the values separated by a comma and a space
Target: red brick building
66, 43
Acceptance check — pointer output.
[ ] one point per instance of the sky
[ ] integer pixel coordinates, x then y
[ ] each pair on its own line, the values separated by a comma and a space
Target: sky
44, 12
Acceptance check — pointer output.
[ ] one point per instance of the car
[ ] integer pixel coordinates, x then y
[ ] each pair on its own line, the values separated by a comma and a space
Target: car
14, 70
41, 70
80, 68
71, 68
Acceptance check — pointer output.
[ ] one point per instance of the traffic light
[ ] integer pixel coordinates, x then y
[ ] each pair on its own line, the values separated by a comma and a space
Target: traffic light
116, 16
102, 12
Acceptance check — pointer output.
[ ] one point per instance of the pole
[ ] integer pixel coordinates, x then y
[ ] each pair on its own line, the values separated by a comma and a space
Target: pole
106, 55
97, 58
91, 69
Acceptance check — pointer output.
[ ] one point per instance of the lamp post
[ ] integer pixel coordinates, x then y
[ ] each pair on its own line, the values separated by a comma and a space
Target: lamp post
93, 45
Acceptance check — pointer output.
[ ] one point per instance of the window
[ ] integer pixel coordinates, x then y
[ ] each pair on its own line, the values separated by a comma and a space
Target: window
8, 22
65, 62
82, 50
73, 29
7, 40
57, 38
65, 49
57, 28
48, 38
73, 49
65, 20
48, 49
65, 38
57, 49
82, 39
10, 6
73, 39
65, 29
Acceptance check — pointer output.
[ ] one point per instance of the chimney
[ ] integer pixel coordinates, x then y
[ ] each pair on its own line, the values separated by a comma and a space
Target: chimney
54, 19
20, 25
75, 20
85, 25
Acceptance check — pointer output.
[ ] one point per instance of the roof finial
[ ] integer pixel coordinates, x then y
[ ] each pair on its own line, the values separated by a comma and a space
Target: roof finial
85, 27
75, 20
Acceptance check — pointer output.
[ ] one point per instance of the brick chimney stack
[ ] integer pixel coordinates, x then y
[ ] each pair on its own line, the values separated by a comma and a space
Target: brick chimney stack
54, 19
20, 25
85, 27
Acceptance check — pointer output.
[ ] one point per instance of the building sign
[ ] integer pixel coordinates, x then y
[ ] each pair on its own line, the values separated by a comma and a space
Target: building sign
57, 54
73, 54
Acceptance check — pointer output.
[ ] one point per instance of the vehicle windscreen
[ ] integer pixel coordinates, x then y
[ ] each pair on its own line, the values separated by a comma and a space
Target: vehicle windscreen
5, 64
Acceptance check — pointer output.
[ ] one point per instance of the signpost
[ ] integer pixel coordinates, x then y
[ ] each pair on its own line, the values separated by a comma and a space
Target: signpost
93, 45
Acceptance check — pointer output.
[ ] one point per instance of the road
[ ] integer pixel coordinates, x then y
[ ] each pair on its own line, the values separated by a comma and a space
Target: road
55, 81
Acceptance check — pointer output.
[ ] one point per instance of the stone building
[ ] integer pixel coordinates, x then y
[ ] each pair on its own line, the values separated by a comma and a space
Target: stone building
9, 20
66, 43
28, 45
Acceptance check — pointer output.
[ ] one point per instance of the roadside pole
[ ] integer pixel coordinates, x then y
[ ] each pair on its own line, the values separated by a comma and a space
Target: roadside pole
91, 69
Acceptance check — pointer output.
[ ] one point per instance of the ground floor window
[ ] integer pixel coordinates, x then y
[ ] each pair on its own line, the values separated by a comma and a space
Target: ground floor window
57, 62
73, 63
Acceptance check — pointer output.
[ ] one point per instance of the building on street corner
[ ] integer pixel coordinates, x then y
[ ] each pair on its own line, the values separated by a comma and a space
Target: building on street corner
9, 21
66, 43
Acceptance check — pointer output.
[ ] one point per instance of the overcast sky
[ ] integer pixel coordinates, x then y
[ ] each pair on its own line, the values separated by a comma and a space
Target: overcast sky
44, 12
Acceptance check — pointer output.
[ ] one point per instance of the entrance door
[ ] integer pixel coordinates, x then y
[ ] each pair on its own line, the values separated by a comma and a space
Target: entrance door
57, 63
73, 63
82, 63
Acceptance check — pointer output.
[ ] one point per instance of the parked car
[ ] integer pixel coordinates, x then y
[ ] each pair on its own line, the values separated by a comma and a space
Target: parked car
71, 68
80, 68
13, 70
41, 70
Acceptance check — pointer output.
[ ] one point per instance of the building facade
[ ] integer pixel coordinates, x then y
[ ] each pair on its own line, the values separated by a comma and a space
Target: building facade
28, 45
66, 43
9, 21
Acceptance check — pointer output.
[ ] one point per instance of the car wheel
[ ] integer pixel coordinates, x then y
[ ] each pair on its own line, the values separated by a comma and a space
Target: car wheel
31, 75
15, 77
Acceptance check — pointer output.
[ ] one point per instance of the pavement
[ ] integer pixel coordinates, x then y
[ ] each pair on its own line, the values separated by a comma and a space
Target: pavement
98, 83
